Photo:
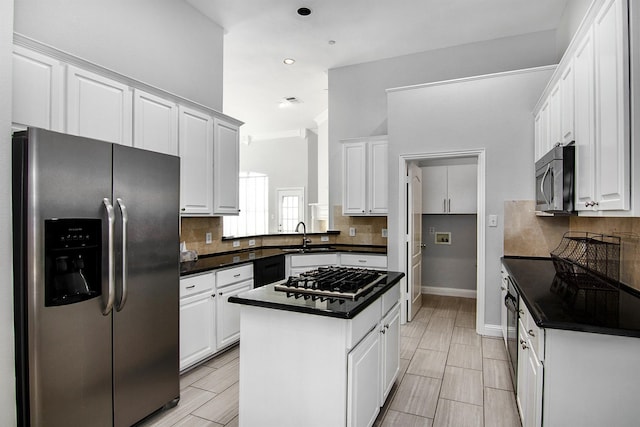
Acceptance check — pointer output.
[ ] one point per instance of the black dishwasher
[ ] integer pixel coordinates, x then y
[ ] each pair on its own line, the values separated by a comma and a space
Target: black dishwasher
268, 270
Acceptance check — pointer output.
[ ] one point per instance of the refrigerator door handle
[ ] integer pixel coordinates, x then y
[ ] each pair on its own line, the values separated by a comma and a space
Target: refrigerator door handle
125, 221
111, 265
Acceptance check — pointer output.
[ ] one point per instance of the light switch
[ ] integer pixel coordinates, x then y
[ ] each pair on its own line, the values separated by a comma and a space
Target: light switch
207, 238
352, 231
493, 220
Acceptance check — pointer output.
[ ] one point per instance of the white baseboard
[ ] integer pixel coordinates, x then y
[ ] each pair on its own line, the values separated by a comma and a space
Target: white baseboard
491, 331
449, 292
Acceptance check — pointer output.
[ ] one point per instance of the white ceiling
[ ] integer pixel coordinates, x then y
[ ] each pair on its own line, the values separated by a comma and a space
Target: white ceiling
259, 34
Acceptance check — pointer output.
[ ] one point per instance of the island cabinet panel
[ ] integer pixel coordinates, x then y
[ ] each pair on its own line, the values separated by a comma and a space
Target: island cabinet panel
389, 351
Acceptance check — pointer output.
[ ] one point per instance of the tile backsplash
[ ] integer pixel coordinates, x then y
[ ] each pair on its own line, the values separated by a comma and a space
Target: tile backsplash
193, 231
526, 234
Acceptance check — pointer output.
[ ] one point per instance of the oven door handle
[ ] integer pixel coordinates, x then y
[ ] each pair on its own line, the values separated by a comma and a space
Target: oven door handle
511, 303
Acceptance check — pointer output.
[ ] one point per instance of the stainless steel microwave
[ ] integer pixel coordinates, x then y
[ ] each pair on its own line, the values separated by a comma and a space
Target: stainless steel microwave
555, 180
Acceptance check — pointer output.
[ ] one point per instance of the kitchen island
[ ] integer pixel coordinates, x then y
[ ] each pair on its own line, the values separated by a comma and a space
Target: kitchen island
318, 361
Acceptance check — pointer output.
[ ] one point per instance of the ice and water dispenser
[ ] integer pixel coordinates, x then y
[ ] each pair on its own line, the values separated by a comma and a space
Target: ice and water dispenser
72, 260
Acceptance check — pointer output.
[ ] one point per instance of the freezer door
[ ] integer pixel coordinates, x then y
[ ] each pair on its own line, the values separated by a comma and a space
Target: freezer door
64, 351
145, 340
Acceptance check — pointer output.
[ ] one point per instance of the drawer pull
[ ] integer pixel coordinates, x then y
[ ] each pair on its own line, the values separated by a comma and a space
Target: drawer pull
382, 331
236, 275
190, 287
531, 333
362, 260
213, 295
220, 293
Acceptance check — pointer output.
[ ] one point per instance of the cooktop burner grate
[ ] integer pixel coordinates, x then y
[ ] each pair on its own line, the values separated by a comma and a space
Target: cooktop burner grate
339, 282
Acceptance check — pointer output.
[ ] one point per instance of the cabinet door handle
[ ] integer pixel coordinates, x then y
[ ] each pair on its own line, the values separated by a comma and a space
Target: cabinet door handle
524, 346
220, 293
531, 333
444, 205
503, 288
382, 331
386, 326
190, 287
362, 260
449, 209
213, 295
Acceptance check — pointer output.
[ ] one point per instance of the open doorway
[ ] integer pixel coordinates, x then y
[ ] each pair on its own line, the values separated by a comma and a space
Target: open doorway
447, 217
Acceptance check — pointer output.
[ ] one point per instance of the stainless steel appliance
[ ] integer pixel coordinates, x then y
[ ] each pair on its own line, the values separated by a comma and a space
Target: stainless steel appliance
332, 282
96, 241
555, 180
512, 302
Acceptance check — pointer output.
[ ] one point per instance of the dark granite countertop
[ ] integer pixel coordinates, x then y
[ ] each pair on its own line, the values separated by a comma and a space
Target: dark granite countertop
228, 259
268, 297
552, 304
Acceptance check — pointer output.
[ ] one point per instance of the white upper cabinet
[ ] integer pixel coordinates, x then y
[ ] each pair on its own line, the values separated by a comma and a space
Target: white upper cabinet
226, 167
38, 82
365, 176
584, 122
98, 107
593, 84
449, 189
155, 123
196, 162
612, 169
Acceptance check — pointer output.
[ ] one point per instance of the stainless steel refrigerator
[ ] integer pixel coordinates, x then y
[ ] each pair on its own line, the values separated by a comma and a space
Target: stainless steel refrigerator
96, 240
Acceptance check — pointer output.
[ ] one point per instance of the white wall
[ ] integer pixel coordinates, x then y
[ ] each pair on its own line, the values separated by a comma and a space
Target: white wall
572, 15
358, 101
285, 161
164, 43
7, 366
493, 113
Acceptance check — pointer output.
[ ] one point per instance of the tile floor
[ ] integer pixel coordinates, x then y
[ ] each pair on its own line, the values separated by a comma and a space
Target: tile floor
449, 376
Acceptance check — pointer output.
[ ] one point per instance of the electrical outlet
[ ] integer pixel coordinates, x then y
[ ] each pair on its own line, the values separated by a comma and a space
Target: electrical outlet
207, 238
493, 220
236, 243
252, 242
352, 231
324, 238
385, 232
432, 230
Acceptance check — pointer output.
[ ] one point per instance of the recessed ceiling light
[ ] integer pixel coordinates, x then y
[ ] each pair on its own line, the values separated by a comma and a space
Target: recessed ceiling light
332, 42
304, 11
289, 61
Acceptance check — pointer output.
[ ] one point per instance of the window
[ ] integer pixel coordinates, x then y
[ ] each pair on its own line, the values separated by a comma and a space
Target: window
254, 207
290, 208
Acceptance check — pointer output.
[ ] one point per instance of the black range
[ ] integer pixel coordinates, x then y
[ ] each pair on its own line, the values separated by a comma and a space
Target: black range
538, 285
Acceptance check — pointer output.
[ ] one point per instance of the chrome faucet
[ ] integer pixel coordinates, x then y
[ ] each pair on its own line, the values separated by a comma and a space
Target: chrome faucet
304, 234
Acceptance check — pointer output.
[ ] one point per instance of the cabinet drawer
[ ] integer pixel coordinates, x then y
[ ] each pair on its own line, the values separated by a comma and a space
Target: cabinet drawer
191, 285
364, 261
534, 334
234, 275
390, 298
314, 260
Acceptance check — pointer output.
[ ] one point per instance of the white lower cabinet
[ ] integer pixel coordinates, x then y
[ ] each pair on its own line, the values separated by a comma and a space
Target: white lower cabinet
373, 367
390, 351
363, 382
230, 282
297, 264
530, 375
197, 319
374, 262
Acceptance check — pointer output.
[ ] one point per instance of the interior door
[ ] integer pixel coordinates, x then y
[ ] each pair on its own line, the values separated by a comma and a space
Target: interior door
415, 239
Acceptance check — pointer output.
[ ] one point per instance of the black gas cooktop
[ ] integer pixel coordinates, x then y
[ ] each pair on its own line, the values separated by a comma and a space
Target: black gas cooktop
331, 282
